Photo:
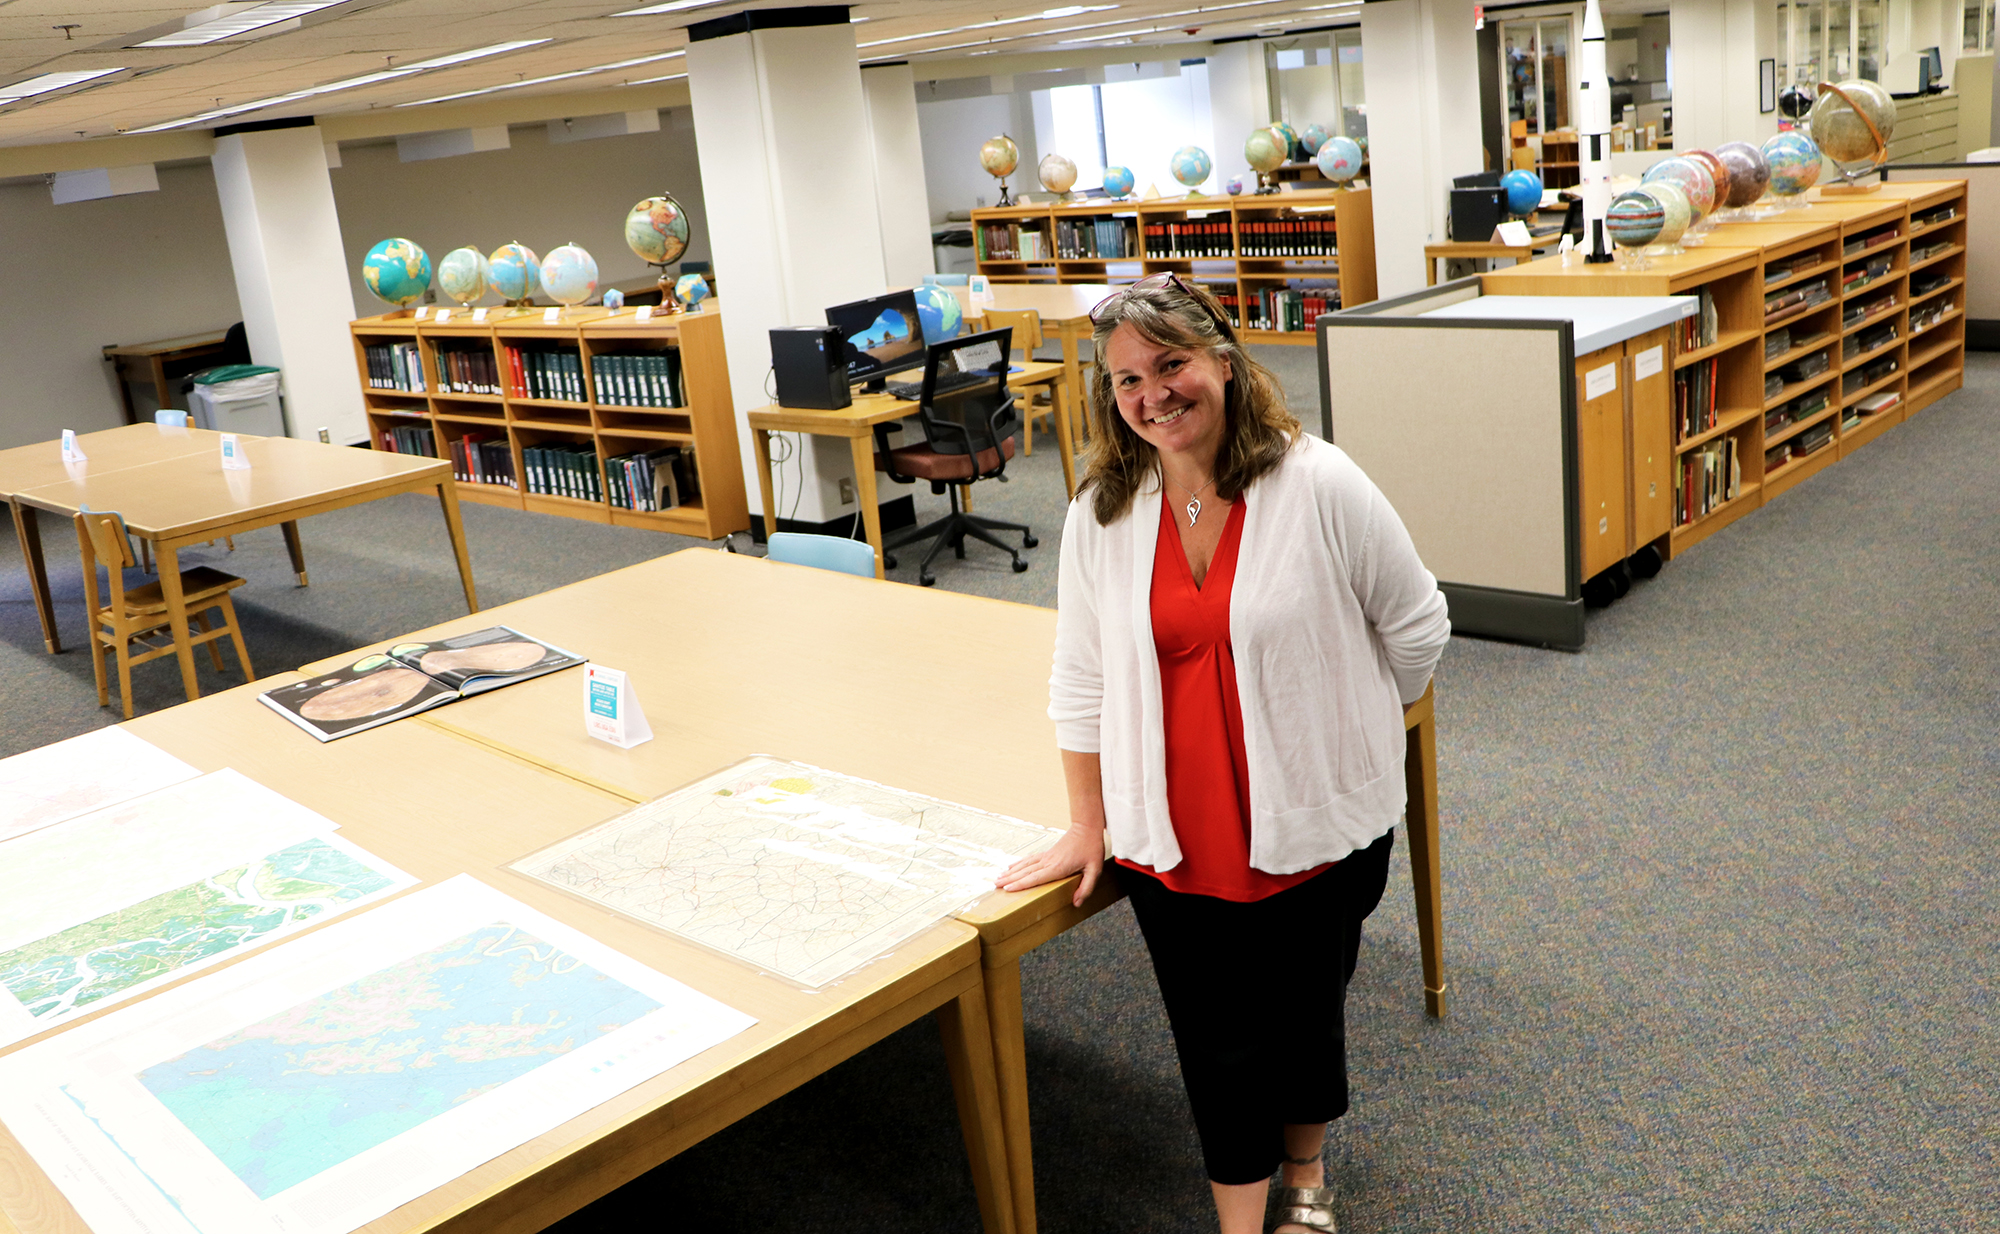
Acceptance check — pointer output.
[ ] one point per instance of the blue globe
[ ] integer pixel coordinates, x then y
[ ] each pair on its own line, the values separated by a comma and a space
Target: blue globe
1118, 181
1339, 159
1313, 138
1523, 189
939, 312
1190, 165
397, 271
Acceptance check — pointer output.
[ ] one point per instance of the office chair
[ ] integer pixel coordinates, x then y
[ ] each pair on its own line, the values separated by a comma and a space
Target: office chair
968, 436
822, 552
947, 280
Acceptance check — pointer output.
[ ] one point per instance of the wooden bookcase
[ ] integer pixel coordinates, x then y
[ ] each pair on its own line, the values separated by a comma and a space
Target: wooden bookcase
1244, 248
704, 423
1918, 294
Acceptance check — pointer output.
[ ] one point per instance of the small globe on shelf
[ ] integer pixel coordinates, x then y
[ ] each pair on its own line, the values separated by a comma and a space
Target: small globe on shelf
569, 275
1633, 221
1339, 159
1313, 138
515, 273
397, 271
1522, 190
1676, 216
614, 299
1234, 186
1795, 101
1265, 151
1749, 175
1852, 123
1718, 174
1286, 132
1795, 164
691, 290
1000, 156
1057, 174
939, 313
1118, 181
462, 275
1191, 166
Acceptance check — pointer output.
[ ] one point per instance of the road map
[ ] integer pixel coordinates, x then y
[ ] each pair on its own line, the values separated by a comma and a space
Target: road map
800, 871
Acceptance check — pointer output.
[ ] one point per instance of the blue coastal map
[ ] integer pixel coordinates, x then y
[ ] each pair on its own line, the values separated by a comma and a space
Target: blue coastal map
297, 1093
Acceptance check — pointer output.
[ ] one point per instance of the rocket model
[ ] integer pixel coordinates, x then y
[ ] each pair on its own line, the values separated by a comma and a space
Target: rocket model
1594, 134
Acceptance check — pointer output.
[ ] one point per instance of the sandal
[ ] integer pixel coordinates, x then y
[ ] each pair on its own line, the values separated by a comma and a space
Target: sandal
1311, 1207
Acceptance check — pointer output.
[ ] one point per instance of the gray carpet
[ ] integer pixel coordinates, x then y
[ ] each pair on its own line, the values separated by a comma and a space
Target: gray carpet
1719, 921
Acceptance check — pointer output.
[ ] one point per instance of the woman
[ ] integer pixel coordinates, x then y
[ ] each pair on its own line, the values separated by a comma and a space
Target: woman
1241, 618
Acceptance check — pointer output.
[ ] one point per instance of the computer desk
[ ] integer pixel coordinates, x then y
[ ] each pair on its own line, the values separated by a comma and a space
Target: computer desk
928, 691
1065, 313
856, 422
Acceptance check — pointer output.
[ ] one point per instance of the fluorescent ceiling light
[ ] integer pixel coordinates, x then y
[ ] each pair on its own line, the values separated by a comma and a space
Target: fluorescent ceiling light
229, 20
542, 81
647, 81
477, 53
672, 6
1044, 15
50, 81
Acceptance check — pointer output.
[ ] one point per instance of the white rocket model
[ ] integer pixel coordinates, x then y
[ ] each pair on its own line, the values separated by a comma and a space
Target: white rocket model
1594, 133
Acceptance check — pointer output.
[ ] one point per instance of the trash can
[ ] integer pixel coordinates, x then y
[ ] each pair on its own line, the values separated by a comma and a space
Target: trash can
238, 398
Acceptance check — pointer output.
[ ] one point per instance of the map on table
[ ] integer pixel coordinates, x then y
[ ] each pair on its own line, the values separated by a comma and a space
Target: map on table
802, 872
68, 778
312, 1089
117, 902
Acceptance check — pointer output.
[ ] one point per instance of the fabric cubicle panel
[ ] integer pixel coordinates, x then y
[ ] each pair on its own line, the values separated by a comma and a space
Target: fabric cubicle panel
1982, 242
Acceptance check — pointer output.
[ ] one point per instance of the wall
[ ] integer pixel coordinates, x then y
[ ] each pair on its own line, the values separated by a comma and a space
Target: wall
1423, 122
538, 193
132, 270
953, 130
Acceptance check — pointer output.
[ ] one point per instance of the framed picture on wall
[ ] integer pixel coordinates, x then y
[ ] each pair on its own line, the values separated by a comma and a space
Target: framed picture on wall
1767, 86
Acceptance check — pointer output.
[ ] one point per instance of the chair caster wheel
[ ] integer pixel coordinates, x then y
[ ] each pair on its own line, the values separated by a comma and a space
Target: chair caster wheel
1020, 567
1029, 542
888, 561
926, 580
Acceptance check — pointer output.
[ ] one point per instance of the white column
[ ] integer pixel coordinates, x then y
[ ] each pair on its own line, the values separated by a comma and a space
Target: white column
1239, 99
291, 273
889, 92
793, 223
1717, 44
1423, 126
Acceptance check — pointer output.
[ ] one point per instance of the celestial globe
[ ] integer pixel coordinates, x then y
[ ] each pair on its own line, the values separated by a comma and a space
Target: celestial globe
397, 271
1118, 181
1691, 178
1852, 122
1795, 101
1000, 156
1339, 159
515, 273
1058, 174
1718, 173
1676, 215
939, 313
569, 275
462, 274
1749, 174
1191, 166
657, 230
690, 289
1523, 190
1313, 138
1634, 219
1794, 161
1264, 150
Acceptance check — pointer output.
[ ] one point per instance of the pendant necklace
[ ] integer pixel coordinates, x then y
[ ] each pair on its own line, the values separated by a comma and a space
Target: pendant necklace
1193, 506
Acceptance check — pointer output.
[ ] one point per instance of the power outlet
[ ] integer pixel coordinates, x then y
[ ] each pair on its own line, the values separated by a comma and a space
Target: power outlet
846, 491
325, 437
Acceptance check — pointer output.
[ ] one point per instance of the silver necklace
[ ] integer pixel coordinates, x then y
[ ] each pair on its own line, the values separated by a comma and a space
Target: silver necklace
1193, 507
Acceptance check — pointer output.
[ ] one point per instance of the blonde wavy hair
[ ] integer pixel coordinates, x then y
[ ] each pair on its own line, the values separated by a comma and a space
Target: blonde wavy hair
1257, 426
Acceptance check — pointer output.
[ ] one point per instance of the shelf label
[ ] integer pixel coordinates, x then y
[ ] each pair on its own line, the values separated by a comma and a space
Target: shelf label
443, 316
479, 314
644, 312
1600, 381
611, 710
423, 312
551, 315
1647, 362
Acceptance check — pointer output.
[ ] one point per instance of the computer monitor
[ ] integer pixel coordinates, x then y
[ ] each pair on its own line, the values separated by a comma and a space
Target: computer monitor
883, 336
1932, 72
1477, 180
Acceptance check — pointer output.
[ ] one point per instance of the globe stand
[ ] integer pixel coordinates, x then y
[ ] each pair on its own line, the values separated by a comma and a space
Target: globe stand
668, 303
1265, 184
1791, 201
1697, 234
515, 308
1005, 200
1672, 249
1633, 259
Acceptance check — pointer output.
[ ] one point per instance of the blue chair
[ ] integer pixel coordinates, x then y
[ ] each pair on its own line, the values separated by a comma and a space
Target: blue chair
168, 418
947, 280
823, 553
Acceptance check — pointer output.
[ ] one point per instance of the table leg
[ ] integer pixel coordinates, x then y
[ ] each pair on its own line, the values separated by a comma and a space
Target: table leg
1420, 776
864, 489
968, 1052
1010, 1061
454, 527
28, 530
760, 440
296, 549
177, 618
1070, 403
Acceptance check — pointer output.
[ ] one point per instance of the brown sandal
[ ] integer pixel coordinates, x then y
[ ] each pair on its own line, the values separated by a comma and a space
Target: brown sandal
1311, 1207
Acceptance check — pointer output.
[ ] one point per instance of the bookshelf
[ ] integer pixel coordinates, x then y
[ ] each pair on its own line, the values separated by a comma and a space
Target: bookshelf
539, 415
1826, 327
1275, 261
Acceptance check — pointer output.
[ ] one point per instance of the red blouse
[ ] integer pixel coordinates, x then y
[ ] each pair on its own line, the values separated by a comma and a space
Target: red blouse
1208, 773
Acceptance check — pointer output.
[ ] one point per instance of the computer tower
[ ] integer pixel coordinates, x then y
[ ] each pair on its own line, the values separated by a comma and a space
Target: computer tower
1475, 212
811, 367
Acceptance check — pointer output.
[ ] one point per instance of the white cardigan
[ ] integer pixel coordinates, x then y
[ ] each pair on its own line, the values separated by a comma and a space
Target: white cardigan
1334, 624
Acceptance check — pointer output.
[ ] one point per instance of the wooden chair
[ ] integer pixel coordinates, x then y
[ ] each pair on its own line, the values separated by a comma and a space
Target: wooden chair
139, 615
1027, 327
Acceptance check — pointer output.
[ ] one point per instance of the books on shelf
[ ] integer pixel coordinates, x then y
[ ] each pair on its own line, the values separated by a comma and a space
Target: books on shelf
562, 469
466, 370
1289, 308
1785, 269
644, 379
1190, 238
1805, 368
1797, 411
1879, 402
1312, 236
1874, 239
1928, 315
1929, 283
478, 460
1936, 215
1813, 439
394, 366
1706, 478
1854, 278
1100, 239
544, 373
413, 677
1788, 300
1872, 339
410, 439
1862, 310
652, 480
1928, 251
1694, 398
1011, 242
1703, 327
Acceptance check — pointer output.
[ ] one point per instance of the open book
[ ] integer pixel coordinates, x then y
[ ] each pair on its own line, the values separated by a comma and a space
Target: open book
413, 677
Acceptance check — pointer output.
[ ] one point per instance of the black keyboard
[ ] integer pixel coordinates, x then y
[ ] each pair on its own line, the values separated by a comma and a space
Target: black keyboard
913, 391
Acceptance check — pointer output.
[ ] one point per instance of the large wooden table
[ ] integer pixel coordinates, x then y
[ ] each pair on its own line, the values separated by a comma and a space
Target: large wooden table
928, 691
856, 423
436, 807
162, 363
1065, 312
170, 486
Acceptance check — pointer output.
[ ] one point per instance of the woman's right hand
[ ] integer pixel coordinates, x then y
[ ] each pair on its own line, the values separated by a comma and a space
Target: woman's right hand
1080, 849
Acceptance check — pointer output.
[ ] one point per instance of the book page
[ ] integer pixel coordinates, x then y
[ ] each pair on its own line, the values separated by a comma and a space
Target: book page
483, 659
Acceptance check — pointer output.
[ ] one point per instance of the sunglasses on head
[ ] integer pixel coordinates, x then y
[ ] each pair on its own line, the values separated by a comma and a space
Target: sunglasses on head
1154, 282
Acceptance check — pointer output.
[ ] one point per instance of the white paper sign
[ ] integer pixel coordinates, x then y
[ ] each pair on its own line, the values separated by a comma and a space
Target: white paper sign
552, 315
479, 314
1514, 233
611, 710
443, 316
643, 313
978, 287
1646, 363
72, 453
1600, 381
425, 311
232, 454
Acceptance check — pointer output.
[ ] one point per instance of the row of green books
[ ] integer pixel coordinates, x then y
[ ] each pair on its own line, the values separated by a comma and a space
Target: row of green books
652, 479
648, 379
559, 470
546, 374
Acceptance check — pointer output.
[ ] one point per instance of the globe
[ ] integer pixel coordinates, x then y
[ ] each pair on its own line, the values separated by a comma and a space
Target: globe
1234, 186
1718, 174
1676, 214
614, 299
1852, 123
1794, 162
1794, 102
515, 273
1288, 133
569, 275
1634, 220
1057, 173
1693, 181
1000, 156
1191, 165
1523, 189
462, 274
1264, 150
657, 230
690, 289
1118, 181
1339, 159
397, 271
1749, 174
939, 312
1313, 138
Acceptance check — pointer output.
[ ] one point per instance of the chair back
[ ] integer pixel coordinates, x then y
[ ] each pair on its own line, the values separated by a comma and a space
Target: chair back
974, 417
948, 280
1026, 325
823, 552
169, 418
110, 547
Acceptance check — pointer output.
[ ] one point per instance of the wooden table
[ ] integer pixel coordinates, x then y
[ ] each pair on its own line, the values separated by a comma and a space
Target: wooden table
183, 496
436, 807
928, 691
157, 364
1065, 312
856, 422
1476, 249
